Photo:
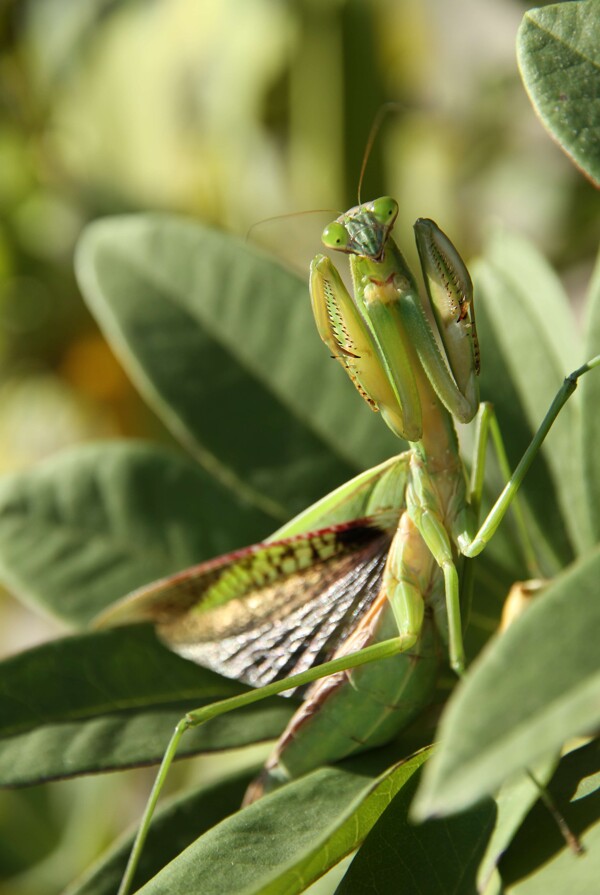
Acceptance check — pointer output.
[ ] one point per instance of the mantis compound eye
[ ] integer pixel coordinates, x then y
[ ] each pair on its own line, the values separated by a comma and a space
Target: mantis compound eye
335, 236
385, 209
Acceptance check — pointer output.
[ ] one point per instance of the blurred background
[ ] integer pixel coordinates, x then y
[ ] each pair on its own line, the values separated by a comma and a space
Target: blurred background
231, 111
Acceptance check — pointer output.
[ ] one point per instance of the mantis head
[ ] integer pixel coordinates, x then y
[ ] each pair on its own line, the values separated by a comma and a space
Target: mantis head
363, 230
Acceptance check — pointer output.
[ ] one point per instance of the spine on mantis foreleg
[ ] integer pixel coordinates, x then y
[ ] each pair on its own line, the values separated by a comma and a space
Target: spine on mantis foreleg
450, 291
355, 344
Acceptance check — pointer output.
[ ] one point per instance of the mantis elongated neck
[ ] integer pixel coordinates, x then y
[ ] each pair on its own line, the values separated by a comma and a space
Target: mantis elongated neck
438, 445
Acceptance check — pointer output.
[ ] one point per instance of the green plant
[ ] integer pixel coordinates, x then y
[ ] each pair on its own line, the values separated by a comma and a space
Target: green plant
219, 340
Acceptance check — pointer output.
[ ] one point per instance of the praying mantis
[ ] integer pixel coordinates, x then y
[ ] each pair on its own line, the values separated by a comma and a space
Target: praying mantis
359, 597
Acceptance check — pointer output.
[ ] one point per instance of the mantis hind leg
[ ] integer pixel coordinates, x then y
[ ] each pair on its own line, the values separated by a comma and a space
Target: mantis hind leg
466, 528
473, 545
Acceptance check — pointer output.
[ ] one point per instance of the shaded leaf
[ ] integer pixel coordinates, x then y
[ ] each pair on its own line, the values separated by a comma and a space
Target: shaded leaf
534, 687
438, 857
110, 700
559, 57
287, 839
539, 861
513, 801
87, 526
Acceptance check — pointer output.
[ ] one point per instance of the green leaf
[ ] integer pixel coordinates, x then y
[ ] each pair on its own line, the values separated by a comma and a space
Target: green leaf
514, 801
438, 857
532, 688
91, 524
528, 345
539, 861
558, 50
220, 341
111, 700
288, 839
175, 826
590, 399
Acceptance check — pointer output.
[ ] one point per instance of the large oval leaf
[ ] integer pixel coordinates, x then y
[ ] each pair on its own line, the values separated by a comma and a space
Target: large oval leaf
439, 857
288, 839
110, 700
533, 688
220, 340
559, 57
91, 524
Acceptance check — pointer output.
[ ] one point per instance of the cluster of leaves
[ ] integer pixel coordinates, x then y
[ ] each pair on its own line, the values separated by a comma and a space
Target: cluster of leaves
219, 340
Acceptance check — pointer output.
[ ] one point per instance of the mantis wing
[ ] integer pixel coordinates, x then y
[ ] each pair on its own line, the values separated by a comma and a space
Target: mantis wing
271, 610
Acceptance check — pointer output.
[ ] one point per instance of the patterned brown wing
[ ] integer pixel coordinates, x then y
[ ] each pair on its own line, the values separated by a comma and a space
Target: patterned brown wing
271, 610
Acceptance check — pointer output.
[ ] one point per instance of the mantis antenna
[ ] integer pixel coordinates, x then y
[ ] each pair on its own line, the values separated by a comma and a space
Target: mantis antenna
283, 217
380, 117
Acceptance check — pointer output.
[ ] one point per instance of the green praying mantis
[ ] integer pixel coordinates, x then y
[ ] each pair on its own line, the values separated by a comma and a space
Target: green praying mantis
358, 599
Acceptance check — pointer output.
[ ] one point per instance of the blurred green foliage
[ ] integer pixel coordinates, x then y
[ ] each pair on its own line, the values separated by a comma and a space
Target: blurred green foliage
232, 111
